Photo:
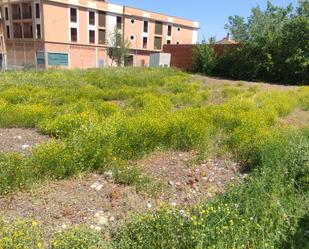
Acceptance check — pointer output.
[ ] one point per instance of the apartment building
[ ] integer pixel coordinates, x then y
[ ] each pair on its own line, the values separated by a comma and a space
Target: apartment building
75, 33
2, 45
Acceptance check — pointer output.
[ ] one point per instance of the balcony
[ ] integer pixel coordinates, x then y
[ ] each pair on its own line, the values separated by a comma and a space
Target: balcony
17, 30
16, 12
28, 30
27, 10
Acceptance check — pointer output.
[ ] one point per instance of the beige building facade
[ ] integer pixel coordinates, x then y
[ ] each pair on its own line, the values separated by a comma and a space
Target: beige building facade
76, 33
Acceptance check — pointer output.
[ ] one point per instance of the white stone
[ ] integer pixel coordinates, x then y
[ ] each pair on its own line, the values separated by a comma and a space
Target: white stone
25, 146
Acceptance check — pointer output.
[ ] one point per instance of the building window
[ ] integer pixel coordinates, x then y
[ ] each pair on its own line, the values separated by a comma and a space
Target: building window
8, 33
73, 34
16, 13
91, 36
178, 43
145, 27
102, 36
119, 22
73, 14
169, 30
27, 10
40, 58
37, 11
178, 29
132, 37
28, 30
145, 42
6, 13
38, 31
158, 28
102, 18
17, 30
169, 42
91, 18
158, 43
132, 21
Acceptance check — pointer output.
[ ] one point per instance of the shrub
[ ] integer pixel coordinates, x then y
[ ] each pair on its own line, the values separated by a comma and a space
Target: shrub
304, 98
78, 238
21, 235
203, 57
64, 125
187, 129
27, 116
14, 173
150, 104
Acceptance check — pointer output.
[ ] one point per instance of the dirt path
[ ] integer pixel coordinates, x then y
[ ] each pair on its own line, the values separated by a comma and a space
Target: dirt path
298, 118
213, 81
19, 140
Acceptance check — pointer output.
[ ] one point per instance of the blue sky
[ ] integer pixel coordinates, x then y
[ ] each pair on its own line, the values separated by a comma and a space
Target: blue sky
211, 14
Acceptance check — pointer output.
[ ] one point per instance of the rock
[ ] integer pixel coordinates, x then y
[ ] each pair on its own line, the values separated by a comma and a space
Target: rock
97, 228
149, 205
101, 218
25, 146
108, 175
170, 183
97, 186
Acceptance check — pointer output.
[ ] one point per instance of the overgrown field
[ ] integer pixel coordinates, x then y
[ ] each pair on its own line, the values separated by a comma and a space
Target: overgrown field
101, 120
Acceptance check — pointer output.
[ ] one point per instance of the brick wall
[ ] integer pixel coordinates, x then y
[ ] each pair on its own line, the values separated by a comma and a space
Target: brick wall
181, 55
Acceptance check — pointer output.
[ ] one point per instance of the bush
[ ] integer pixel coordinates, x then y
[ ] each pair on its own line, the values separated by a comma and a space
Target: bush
27, 116
21, 235
64, 125
78, 238
203, 57
14, 173
273, 46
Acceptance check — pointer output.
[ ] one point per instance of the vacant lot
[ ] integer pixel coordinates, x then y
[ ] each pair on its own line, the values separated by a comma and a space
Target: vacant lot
151, 158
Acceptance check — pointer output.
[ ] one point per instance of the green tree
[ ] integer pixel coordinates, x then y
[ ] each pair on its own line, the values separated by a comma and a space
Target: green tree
274, 45
293, 56
237, 27
118, 48
203, 57
261, 26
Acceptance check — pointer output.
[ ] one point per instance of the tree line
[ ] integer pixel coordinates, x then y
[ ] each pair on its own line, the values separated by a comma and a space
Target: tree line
274, 47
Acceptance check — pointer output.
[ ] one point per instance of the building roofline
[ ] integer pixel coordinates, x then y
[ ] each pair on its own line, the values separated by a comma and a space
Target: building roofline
159, 13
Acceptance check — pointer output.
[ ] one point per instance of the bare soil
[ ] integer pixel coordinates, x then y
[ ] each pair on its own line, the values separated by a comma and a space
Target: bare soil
298, 118
20, 140
214, 81
96, 200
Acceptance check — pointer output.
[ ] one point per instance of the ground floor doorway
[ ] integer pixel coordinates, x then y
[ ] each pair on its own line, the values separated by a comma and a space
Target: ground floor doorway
1, 61
128, 61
